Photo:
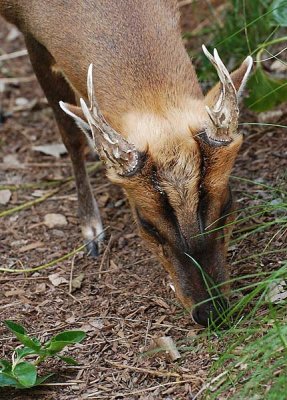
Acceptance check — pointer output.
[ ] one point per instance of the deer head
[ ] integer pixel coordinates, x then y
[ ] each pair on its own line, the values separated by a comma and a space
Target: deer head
178, 186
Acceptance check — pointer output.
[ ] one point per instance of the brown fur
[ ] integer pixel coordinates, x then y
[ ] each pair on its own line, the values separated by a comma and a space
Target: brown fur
147, 90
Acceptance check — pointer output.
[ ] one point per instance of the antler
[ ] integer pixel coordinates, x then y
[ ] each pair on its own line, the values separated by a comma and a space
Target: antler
224, 114
116, 151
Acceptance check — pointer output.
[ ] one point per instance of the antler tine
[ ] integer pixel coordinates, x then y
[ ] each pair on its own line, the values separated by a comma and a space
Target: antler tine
113, 148
224, 113
90, 119
94, 108
221, 68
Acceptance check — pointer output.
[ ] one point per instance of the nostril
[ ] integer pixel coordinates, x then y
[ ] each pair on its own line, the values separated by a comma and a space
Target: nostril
211, 312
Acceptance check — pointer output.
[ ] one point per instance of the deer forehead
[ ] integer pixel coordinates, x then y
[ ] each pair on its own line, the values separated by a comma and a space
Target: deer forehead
147, 130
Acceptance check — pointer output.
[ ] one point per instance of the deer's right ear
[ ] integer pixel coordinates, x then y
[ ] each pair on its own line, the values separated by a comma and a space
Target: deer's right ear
77, 114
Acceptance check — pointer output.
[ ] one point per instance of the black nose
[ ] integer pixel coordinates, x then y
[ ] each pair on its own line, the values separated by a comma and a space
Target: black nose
211, 312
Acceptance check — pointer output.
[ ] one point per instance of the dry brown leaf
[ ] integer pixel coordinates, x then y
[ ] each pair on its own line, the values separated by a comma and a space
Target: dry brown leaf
5, 196
277, 292
40, 288
55, 149
56, 279
31, 246
13, 34
167, 344
14, 292
161, 303
77, 282
11, 159
97, 323
52, 220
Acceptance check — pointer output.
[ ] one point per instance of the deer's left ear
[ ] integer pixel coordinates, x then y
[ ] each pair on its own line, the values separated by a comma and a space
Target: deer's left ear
77, 114
239, 79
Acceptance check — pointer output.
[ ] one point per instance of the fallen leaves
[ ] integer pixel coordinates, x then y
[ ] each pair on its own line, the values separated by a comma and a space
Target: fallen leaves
55, 149
167, 344
77, 282
52, 220
277, 292
5, 196
56, 279
31, 246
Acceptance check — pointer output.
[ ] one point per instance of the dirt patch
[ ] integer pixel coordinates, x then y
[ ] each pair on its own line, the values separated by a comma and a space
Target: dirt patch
125, 300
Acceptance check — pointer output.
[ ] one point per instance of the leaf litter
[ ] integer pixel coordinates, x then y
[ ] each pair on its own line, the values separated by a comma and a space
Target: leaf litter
126, 305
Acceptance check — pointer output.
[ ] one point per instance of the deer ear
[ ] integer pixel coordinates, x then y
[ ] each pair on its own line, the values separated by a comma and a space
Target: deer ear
239, 76
77, 114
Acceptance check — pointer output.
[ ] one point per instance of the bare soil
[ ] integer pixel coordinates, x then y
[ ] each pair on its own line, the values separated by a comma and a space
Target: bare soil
125, 300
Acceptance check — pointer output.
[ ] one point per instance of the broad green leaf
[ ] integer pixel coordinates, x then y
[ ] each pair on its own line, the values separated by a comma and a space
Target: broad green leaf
69, 360
26, 374
63, 339
5, 366
25, 351
265, 92
21, 335
42, 379
15, 328
7, 380
279, 12
69, 337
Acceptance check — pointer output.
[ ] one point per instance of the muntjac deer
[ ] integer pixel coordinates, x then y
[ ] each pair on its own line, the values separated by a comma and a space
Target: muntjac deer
142, 110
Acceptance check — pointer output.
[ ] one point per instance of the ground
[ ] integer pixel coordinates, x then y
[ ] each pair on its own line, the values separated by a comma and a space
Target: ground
124, 301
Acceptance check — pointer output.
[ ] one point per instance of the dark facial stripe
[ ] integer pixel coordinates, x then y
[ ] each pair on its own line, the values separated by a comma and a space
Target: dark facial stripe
150, 229
167, 208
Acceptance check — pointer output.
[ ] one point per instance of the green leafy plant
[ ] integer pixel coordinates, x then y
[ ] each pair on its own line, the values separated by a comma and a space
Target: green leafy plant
22, 374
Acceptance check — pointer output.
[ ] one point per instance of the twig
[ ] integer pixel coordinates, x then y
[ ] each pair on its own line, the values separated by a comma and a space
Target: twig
5, 166
62, 384
44, 266
71, 275
41, 185
105, 255
153, 372
28, 204
97, 395
207, 385
15, 54
18, 80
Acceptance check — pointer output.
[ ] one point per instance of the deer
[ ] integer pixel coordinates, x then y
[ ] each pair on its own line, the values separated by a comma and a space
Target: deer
119, 79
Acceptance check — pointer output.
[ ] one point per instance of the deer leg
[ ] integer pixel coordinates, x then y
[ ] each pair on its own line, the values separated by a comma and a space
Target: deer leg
56, 88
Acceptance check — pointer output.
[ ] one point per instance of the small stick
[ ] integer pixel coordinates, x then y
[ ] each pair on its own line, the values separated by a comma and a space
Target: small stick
15, 54
44, 266
28, 204
18, 80
152, 372
105, 255
71, 274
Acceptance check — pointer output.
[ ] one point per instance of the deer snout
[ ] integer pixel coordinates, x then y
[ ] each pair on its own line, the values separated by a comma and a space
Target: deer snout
211, 312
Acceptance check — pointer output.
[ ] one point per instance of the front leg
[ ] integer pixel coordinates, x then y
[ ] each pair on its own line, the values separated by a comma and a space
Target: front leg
89, 214
56, 88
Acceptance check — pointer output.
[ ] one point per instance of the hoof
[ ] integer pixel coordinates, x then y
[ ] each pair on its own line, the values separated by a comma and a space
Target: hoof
92, 248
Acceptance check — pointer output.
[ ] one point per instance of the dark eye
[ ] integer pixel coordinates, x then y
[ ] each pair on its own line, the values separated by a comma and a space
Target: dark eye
150, 229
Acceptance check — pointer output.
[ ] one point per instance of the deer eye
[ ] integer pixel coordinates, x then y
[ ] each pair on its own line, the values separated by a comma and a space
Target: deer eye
150, 229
